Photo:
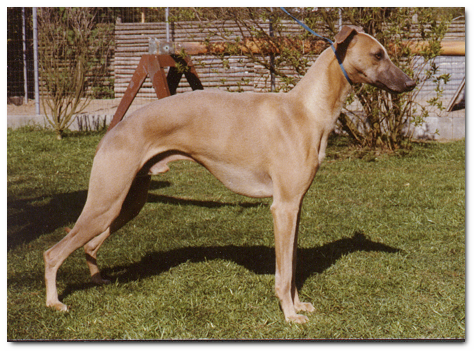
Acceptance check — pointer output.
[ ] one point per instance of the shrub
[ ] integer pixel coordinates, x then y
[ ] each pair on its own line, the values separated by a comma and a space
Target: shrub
73, 52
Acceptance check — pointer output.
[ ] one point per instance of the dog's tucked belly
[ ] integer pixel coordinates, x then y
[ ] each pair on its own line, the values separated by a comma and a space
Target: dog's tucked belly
240, 180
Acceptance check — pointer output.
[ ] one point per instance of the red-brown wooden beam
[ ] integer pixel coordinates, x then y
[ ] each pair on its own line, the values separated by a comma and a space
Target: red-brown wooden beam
153, 66
274, 46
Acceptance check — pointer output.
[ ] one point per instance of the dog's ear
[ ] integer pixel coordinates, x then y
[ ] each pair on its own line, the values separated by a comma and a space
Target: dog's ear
347, 32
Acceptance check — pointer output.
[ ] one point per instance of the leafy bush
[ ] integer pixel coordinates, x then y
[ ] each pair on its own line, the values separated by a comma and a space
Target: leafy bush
73, 52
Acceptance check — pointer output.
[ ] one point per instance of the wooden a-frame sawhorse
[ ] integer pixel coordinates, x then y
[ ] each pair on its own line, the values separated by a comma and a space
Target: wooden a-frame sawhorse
164, 85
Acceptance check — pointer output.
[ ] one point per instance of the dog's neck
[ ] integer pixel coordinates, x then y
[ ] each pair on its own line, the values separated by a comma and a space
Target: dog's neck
323, 86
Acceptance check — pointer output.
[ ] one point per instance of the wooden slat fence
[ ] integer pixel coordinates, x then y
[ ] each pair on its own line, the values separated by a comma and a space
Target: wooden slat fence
238, 74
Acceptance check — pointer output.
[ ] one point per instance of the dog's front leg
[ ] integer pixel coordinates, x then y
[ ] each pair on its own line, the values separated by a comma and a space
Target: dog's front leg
285, 219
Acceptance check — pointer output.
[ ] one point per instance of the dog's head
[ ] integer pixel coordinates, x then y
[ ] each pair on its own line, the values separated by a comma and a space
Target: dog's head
367, 61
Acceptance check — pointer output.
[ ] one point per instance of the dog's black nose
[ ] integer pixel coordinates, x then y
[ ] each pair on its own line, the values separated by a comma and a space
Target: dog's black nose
410, 84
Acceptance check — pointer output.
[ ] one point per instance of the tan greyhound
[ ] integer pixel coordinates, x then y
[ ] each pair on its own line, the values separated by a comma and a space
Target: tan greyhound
258, 145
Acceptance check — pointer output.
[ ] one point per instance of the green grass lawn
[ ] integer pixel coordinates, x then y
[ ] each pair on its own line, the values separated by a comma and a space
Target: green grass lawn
381, 250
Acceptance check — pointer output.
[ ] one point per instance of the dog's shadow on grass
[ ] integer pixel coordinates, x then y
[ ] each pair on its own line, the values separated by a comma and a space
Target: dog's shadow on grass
29, 218
35, 217
257, 259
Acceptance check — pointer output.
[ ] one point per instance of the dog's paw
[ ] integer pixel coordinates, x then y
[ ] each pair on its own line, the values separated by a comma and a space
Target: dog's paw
297, 318
304, 306
58, 306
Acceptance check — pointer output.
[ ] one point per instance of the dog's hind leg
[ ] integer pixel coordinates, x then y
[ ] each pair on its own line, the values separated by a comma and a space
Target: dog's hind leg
134, 202
108, 190
84, 231
91, 249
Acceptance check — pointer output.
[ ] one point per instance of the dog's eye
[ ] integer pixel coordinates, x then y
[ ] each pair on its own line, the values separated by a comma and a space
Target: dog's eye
379, 55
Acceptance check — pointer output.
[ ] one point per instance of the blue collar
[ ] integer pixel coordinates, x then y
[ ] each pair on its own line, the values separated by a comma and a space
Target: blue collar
326, 39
